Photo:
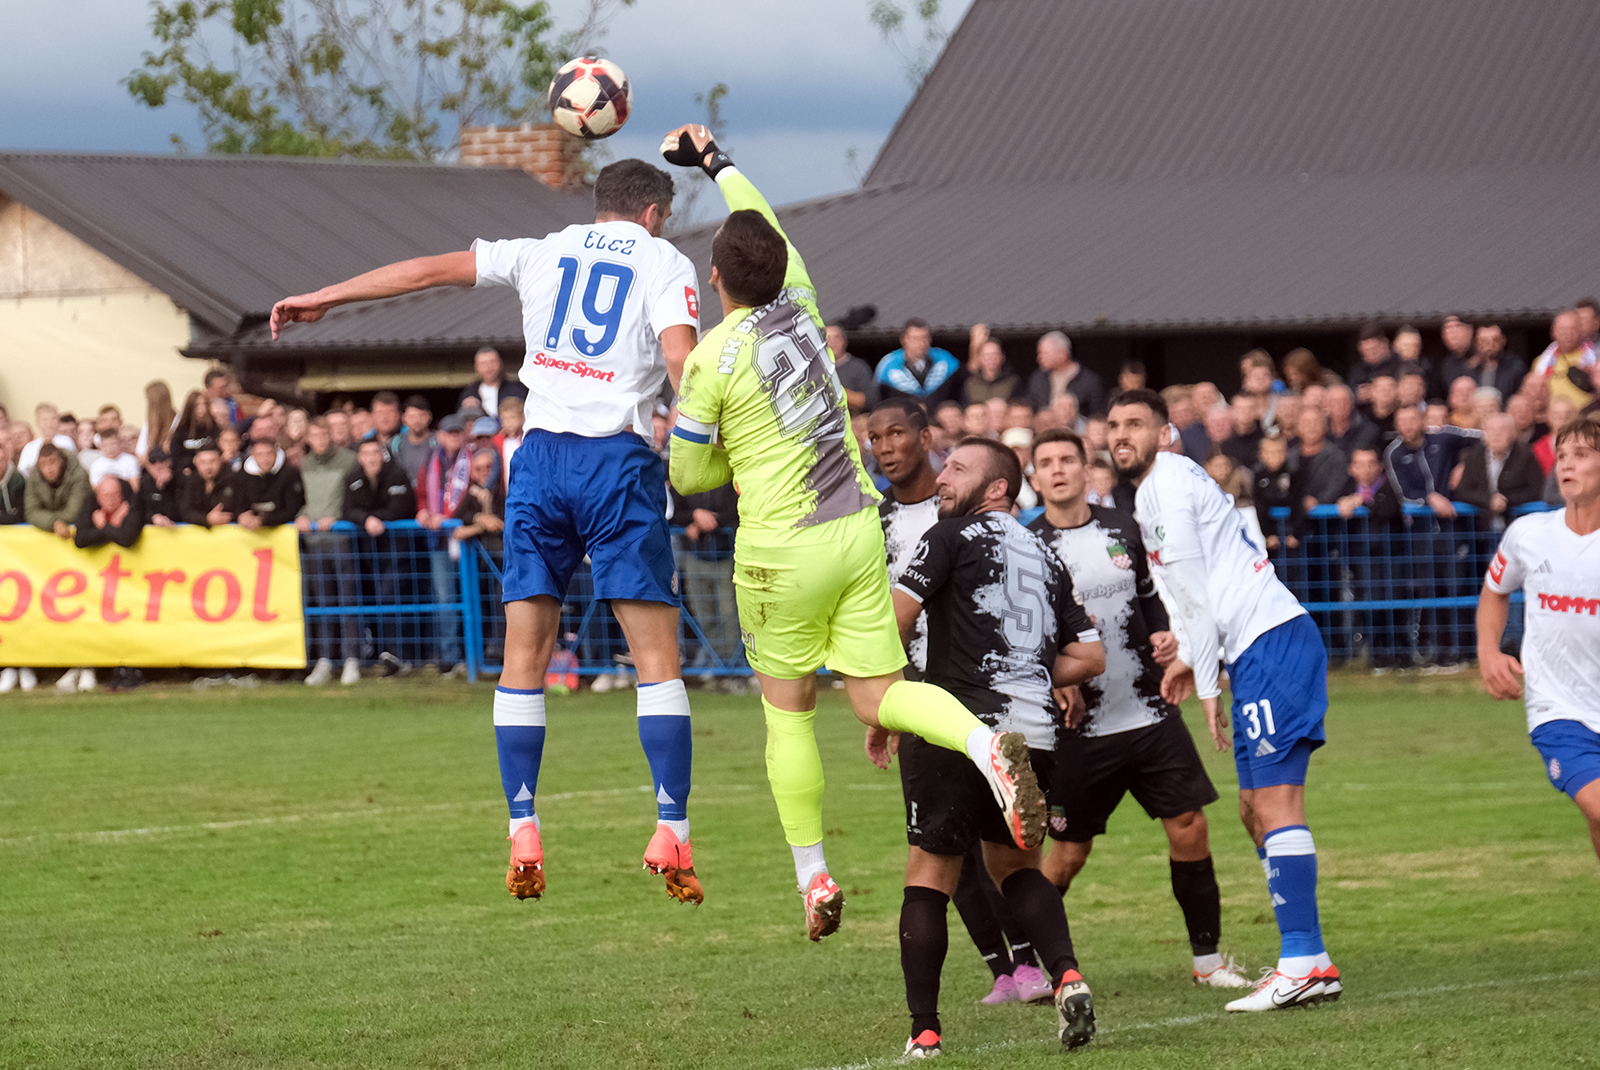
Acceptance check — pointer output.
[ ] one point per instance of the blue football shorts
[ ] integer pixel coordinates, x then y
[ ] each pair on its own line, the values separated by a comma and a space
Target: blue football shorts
1280, 696
570, 495
1571, 753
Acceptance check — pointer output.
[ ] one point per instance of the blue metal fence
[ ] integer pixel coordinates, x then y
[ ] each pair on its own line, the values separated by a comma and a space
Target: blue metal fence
1401, 594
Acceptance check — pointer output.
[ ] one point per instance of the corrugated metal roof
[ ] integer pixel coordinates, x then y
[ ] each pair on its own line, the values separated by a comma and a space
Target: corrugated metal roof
1105, 90
226, 236
1175, 254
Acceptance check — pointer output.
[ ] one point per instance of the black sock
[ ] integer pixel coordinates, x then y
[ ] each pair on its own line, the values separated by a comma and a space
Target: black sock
1021, 950
1037, 907
1194, 886
924, 940
972, 903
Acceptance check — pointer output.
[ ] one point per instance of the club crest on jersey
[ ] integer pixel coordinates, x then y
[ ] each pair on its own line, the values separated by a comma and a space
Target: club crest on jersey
1119, 555
692, 299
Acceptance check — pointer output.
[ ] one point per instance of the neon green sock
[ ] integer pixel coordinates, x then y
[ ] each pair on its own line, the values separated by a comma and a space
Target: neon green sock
931, 712
794, 768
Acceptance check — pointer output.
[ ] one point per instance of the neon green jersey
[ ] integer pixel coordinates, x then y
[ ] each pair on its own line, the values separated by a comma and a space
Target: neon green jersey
764, 380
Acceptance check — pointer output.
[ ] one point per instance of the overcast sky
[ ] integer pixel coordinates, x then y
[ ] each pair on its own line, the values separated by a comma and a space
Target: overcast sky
808, 81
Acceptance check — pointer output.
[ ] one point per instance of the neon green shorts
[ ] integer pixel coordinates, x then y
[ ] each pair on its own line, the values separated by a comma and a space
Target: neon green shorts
817, 596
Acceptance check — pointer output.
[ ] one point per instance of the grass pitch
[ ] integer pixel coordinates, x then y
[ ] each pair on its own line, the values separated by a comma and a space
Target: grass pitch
299, 878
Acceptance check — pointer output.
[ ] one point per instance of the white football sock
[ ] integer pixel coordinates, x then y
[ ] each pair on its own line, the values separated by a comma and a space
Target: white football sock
1204, 964
978, 745
808, 862
679, 829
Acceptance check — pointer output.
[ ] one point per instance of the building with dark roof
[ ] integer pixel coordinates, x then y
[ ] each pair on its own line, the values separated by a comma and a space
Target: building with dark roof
114, 264
1182, 180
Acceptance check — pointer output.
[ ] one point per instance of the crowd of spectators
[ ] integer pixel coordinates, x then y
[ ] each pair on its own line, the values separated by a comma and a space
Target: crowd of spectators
1471, 424
225, 458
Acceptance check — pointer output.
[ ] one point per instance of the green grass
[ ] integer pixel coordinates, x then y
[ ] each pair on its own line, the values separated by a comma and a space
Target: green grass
295, 878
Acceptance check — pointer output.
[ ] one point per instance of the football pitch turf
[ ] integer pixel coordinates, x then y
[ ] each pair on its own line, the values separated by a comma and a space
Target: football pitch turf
306, 878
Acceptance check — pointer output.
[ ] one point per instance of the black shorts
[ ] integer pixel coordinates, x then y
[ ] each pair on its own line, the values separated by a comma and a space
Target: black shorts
949, 806
1158, 764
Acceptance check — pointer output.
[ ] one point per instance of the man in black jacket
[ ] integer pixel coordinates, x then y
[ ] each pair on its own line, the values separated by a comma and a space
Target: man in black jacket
206, 497
1500, 474
268, 488
491, 384
377, 494
112, 515
158, 490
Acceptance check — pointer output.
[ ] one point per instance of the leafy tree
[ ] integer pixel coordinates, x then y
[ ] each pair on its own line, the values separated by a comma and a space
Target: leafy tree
392, 79
914, 29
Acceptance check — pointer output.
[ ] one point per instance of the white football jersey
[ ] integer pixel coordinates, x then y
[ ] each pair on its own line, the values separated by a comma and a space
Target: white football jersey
1184, 514
1559, 573
903, 529
595, 299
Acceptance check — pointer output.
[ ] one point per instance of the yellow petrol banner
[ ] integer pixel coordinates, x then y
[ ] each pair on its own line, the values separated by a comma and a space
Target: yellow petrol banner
181, 596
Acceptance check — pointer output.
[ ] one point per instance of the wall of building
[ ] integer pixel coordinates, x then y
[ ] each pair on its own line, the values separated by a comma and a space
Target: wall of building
78, 329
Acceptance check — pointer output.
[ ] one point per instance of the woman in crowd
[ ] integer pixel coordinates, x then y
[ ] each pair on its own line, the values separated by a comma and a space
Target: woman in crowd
196, 426
482, 511
1301, 371
160, 421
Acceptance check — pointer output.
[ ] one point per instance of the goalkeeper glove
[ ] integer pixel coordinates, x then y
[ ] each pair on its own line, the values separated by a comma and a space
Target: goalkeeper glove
683, 154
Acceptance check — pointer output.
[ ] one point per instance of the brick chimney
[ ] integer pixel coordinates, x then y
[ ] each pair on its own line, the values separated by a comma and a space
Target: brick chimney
543, 150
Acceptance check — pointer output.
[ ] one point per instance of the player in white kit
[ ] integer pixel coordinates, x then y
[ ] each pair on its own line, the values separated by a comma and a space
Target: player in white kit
609, 310
1555, 559
1233, 607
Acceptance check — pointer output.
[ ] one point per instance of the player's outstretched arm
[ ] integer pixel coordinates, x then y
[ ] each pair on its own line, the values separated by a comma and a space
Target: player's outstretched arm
1498, 669
696, 463
391, 280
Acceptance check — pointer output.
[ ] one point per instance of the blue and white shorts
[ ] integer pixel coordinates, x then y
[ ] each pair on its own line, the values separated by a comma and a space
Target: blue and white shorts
1280, 696
1571, 753
605, 497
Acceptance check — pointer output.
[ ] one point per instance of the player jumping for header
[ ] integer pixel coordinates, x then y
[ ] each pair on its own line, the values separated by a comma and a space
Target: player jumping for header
608, 309
1555, 559
1232, 604
760, 404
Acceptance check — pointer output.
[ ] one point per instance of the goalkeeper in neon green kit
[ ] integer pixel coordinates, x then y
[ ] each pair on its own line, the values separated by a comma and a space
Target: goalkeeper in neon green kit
759, 403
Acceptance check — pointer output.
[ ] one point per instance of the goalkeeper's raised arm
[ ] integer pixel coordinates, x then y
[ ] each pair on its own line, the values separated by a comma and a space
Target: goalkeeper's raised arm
693, 146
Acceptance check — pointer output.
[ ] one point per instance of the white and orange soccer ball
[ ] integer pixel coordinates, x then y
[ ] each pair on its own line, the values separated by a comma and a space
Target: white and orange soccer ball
590, 97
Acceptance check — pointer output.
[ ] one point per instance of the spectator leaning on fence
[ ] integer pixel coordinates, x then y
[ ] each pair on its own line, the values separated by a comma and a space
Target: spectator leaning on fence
919, 369
110, 516
1322, 466
158, 490
1420, 463
56, 490
207, 496
267, 489
1277, 486
1500, 474
378, 491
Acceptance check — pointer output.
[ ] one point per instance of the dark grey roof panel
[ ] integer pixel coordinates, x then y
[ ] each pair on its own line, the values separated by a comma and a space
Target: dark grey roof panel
228, 236
1164, 254
446, 318
1105, 90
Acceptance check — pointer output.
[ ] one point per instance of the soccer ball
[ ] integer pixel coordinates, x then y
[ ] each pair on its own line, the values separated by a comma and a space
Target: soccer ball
590, 97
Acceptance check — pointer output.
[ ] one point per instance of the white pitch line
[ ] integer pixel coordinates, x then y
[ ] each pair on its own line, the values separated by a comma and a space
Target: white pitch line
1195, 1019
